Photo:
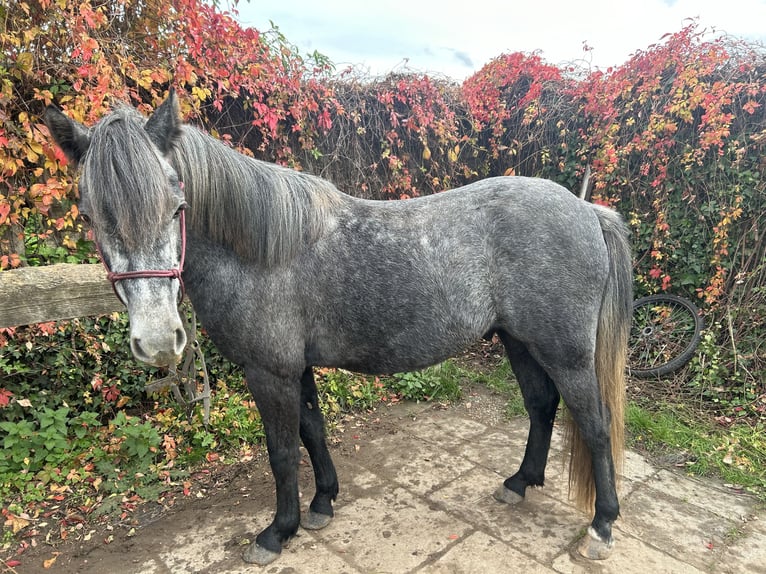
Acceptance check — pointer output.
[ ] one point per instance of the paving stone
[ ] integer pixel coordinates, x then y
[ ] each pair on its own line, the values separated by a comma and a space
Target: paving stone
636, 468
540, 526
440, 427
630, 556
674, 526
480, 553
422, 467
394, 532
745, 549
496, 450
701, 493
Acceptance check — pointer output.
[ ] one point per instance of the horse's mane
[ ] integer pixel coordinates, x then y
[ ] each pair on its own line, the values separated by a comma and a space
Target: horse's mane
264, 212
121, 182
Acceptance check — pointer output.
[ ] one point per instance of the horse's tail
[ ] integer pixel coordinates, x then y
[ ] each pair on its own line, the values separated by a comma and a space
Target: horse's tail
610, 359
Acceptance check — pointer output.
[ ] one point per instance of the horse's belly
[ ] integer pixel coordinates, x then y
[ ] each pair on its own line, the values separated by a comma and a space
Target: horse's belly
393, 347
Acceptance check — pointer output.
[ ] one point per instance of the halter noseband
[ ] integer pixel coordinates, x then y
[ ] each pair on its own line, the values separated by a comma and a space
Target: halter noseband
150, 273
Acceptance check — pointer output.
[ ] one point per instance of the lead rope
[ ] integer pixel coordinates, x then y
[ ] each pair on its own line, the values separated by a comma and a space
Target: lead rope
186, 377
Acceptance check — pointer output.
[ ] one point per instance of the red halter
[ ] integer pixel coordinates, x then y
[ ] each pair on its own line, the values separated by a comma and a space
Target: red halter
170, 273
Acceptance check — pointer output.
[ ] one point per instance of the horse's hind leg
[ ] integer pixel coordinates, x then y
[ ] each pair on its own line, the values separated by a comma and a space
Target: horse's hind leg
541, 400
581, 394
313, 437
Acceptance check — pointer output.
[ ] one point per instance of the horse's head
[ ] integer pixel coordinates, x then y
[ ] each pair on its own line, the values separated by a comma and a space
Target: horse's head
133, 200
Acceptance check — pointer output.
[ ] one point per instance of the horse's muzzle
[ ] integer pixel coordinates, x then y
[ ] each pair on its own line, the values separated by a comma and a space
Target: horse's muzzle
159, 351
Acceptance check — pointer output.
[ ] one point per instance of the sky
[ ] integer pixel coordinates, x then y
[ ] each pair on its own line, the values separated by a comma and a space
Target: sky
455, 39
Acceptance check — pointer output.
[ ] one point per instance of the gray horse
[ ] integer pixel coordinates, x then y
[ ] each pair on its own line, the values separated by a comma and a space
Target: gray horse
287, 273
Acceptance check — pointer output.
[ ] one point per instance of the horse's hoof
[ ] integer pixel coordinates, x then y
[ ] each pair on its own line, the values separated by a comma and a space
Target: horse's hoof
504, 494
315, 521
593, 548
259, 555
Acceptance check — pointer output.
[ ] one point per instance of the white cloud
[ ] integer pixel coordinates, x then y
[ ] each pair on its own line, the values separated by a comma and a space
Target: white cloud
456, 40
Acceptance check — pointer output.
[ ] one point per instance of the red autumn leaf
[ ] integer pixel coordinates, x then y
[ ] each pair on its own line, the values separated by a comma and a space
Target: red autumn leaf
5, 209
5, 397
111, 393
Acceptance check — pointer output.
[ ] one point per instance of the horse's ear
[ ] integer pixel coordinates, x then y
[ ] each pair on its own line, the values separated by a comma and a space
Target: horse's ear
72, 137
165, 124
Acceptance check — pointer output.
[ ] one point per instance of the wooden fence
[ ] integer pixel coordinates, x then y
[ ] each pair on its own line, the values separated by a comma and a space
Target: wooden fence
63, 291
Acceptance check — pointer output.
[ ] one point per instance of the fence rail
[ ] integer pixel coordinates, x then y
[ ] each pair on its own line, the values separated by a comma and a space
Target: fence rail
62, 291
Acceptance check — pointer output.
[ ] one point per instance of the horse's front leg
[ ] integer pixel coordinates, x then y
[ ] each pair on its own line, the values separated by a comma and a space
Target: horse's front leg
278, 401
313, 436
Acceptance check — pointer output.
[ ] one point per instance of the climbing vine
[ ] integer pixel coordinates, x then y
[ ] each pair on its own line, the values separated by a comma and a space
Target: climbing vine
673, 138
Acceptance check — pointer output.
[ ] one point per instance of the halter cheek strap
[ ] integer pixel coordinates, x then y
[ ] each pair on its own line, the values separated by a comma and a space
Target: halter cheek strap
150, 273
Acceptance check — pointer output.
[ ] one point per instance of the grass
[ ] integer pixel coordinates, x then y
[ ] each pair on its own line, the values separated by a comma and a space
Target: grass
736, 454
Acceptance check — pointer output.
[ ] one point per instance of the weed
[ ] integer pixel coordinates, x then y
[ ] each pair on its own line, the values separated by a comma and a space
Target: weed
440, 382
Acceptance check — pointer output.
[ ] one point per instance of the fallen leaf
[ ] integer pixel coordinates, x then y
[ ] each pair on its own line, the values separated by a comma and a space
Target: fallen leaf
50, 562
16, 523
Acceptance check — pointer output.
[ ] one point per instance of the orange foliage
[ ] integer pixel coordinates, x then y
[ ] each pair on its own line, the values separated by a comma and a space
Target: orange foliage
85, 55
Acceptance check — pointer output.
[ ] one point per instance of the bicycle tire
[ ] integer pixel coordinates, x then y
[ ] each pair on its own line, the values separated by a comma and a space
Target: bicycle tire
665, 332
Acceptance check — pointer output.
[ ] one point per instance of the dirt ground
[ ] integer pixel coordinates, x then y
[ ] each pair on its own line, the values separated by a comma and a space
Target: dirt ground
416, 484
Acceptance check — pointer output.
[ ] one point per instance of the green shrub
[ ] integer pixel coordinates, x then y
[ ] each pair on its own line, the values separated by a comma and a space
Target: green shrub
85, 364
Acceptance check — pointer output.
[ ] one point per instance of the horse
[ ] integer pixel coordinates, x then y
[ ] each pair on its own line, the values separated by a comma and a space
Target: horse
288, 273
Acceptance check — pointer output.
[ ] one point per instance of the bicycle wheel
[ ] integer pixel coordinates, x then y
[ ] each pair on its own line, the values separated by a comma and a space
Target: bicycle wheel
665, 332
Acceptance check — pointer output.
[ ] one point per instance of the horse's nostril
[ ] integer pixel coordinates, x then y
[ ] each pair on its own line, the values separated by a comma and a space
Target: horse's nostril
137, 349
180, 340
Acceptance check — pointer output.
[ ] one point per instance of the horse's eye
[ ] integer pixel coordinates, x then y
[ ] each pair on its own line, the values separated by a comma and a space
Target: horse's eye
181, 208
85, 217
